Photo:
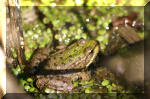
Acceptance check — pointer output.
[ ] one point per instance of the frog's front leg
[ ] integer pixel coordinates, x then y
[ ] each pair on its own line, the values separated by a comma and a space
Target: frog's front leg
38, 56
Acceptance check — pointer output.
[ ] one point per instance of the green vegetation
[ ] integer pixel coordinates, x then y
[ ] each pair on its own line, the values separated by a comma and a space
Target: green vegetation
66, 25
84, 2
36, 36
16, 70
14, 53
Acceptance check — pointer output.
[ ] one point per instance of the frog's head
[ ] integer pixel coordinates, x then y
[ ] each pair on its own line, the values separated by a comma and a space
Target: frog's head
91, 48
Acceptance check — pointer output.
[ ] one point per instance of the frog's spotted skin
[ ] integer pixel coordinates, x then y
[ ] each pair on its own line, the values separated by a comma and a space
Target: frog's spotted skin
76, 56
61, 82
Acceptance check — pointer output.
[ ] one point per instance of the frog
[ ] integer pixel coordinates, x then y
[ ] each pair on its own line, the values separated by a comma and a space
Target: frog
61, 82
76, 57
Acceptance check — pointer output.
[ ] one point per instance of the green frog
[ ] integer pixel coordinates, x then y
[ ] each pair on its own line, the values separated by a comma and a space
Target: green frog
62, 82
77, 56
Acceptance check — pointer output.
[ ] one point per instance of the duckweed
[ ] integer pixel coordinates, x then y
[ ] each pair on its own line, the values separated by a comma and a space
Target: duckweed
105, 82
14, 53
69, 25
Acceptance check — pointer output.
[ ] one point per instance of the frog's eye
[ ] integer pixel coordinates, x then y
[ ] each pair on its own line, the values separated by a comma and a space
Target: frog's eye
89, 50
81, 42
